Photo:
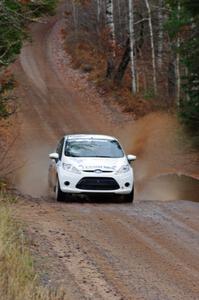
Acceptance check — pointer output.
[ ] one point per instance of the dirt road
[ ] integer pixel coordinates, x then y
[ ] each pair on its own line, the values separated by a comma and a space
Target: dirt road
116, 251
148, 250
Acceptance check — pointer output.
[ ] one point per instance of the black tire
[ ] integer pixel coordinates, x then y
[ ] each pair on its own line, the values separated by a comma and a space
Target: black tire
129, 197
59, 195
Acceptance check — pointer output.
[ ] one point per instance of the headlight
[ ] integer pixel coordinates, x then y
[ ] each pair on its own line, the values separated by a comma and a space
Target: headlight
70, 168
123, 169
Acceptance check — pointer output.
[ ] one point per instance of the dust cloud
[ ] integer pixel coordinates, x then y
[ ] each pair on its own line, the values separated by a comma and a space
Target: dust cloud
158, 142
32, 177
162, 157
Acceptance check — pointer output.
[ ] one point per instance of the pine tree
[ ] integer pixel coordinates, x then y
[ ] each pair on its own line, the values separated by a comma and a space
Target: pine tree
14, 16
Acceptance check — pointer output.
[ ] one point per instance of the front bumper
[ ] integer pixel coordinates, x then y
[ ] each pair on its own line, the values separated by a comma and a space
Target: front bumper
70, 182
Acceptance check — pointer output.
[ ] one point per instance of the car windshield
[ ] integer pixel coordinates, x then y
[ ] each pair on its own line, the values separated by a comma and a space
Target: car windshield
93, 148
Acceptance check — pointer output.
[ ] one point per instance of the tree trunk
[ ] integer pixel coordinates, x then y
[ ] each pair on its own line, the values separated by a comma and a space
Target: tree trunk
98, 10
123, 64
112, 43
132, 45
152, 47
160, 33
74, 16
171, 80
119, 19
178, 77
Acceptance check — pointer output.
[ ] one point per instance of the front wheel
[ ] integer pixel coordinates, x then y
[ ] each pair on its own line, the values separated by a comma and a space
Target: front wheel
129, 197
59, 195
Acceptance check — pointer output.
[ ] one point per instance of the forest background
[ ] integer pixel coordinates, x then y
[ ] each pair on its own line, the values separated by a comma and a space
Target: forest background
145, 53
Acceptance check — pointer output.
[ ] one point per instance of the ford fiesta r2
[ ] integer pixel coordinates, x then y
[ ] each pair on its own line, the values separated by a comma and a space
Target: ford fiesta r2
91, 164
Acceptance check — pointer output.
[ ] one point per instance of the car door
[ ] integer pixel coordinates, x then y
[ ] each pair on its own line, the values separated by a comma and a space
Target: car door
56, 163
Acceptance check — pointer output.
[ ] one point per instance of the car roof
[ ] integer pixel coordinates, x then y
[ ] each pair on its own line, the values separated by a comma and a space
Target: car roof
89, 136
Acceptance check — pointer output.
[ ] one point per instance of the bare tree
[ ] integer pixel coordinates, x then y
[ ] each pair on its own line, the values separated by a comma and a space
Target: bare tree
131, 33
178, 77
132, 45
160, 33
112, 43
98, 10
152, 46
123, 64
75, 16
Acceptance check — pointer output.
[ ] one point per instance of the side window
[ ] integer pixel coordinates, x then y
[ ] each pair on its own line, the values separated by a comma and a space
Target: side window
60, 148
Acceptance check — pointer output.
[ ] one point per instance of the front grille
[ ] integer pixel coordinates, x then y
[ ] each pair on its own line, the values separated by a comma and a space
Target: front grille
97, 183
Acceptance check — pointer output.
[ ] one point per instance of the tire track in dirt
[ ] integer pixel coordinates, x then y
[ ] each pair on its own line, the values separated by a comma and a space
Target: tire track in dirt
157, 260
112, 254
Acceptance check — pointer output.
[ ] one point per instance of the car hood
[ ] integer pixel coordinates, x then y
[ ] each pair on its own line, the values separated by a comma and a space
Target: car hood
96, 163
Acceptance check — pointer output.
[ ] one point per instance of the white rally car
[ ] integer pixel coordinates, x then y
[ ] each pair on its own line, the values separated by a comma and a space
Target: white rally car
88, 164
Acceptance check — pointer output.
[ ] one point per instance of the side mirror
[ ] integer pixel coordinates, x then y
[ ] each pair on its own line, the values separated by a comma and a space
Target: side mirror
54, 156
131, 157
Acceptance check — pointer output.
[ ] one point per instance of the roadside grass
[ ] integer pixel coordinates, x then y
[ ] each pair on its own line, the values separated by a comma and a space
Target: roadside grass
18, 278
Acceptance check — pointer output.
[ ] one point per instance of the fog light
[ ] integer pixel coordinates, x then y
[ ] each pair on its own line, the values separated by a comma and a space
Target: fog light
67, 183
127, 184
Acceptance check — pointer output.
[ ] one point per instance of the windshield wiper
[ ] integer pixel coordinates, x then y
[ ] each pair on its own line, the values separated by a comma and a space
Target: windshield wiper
103, 156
